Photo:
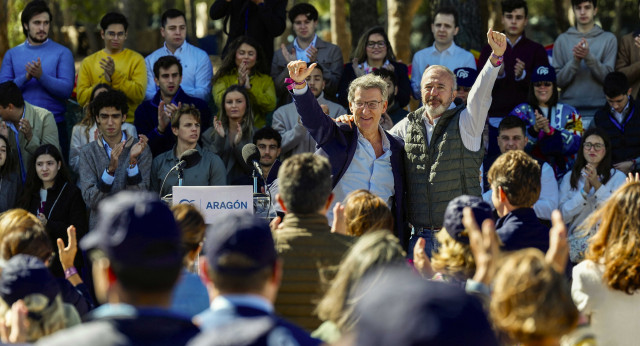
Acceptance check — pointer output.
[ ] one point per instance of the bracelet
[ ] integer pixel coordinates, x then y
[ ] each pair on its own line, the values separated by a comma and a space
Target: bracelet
500, 59
583, 193
69, 272
292, 83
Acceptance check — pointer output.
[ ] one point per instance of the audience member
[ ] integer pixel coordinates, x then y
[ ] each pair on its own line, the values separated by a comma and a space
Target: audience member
606, 283
531, 302
304, 240
366, 157
120, 67
553, 128
394, 112
444, 51
244, 269
465, 78
443, 144
620, 121
269, 145
286, 120
24, 234
55, 200
246, 66
521, 57
511, 136
195, 64
10, 183
387, 317
371, 251
374, 51
41, 68
87, 129
361, 213
155, 115
628, 59
515, 185
190, 296
208, 171
231, 131
263, 20
308, 47
30, 300
588, 186
26, 126
137, 259
582, 57
116, 160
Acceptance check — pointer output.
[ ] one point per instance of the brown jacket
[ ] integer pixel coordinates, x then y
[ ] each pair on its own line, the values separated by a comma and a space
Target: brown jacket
311, 255
628, 61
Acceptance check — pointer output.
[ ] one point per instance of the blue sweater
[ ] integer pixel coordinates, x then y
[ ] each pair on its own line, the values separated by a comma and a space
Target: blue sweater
58, 75
521, 229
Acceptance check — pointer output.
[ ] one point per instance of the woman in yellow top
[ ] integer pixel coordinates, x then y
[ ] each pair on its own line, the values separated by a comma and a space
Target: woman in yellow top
245, 65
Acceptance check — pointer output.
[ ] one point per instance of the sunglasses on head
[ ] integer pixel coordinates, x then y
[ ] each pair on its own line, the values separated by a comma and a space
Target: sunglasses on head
539, 84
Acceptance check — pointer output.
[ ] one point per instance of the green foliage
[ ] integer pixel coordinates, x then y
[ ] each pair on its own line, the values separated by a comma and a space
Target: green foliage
14, 30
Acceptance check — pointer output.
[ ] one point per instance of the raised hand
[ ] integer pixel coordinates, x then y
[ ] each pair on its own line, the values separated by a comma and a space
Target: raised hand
137, 148
633, 178
497, 41
421, 261
288, 56
519, 68
14, 325
359, 71
68, 254
558, 252
339, 223
217, 125
484, 246
299, 71
346, 118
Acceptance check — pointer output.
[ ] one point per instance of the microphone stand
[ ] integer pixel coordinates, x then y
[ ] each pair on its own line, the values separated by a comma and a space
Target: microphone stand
180, 175
255, 181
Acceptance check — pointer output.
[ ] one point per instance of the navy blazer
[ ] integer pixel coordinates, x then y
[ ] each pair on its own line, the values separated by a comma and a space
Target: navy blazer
338, 143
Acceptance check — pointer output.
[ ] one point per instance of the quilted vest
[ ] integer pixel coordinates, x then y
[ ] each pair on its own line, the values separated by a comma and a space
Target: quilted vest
438, 172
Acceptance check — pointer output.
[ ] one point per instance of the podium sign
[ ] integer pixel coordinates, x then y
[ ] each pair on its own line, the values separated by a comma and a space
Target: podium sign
214, 201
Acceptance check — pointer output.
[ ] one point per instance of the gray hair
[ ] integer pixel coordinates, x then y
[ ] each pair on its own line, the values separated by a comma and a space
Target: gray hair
446, 70
305, 183
368, 81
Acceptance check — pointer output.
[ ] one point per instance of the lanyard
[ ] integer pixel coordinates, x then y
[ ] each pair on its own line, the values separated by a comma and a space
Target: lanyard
622, 126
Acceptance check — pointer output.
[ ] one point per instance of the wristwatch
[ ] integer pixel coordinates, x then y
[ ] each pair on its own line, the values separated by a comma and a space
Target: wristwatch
111, 173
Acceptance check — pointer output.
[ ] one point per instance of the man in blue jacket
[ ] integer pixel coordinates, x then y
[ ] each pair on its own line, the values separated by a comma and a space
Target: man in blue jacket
361, 157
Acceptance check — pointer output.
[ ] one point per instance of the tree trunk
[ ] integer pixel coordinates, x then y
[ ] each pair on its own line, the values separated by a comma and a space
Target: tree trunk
363, 15
399, 18
339, 34
472, 20
616, 25
562, 21
4, 24
136, 9
190, 12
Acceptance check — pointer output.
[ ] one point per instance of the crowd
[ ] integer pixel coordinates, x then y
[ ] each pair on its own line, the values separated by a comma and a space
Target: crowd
505, 210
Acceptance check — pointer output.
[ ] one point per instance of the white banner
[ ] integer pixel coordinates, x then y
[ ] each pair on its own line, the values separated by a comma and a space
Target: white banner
214, 201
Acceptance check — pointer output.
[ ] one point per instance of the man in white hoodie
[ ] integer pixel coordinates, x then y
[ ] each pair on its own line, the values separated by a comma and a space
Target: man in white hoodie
582, 57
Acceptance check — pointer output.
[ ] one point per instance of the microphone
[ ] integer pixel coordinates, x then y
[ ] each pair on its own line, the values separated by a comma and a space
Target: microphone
251, 156
188, 159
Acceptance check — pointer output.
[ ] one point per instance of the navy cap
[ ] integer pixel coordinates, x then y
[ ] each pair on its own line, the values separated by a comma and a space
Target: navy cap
453, 215
543, 74
397, 307
23, 275
244, 234
465, 76
136, 229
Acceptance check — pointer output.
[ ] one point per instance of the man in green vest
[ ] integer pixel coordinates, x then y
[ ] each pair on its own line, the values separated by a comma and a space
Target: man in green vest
443, 144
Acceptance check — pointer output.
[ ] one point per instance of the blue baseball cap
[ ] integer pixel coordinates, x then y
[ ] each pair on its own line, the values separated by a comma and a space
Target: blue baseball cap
453, 215
23, 275
242, 234
543, 74
136, 229
465, 76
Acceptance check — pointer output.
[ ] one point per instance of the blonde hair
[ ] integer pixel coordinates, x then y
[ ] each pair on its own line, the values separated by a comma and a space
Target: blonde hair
191, 225
19, 219
364, 212
453, 258
370, 251
53, 317
531, 301
617, 239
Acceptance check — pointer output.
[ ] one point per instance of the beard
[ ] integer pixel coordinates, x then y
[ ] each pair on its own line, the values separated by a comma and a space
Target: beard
35, 39
437, 111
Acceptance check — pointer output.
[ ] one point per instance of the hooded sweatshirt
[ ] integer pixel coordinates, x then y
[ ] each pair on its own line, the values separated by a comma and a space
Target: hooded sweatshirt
581, 81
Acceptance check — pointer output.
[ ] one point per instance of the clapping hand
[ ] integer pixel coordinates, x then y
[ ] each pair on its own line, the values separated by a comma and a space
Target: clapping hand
519, 68
137, 148
108, 66
359, 71
238, 137
312, 53
34, 69
288, 56
558, 252
542, 123
165, 113
484, 246
581, 50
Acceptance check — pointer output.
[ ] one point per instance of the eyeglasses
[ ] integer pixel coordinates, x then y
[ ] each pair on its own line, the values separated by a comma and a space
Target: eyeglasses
596, 146
112, 35
465, 89
379, 44
369, 104
539, 84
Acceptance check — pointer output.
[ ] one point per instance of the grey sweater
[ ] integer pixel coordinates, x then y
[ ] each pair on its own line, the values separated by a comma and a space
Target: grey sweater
93, 162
